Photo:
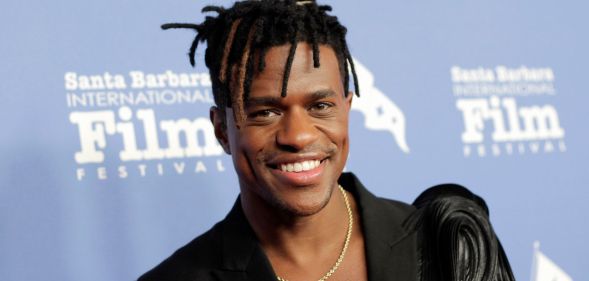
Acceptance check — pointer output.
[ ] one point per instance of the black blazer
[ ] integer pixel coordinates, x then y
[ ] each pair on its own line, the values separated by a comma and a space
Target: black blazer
230, 250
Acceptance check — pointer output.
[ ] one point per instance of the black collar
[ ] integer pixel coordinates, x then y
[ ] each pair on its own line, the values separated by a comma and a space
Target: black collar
390, 249
241, 250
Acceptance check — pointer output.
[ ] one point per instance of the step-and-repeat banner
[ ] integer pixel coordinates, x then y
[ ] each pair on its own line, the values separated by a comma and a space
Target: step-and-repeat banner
108, 161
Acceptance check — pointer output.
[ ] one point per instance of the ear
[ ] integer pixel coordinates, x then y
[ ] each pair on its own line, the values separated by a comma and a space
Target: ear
219, 123
349, 99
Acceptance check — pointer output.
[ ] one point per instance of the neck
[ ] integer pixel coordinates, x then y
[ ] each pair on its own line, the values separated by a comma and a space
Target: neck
297, 237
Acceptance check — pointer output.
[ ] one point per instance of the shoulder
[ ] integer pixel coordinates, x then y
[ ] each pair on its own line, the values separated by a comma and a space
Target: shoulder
375, 208
391, 210
400, 207
194, 261
456, 235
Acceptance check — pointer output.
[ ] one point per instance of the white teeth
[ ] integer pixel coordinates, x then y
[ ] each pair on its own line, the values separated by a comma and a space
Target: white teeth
307, 165
300, 166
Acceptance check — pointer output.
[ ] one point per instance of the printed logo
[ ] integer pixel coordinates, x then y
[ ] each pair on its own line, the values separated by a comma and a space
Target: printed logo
506, 111
380, 112
544, 269
118, 112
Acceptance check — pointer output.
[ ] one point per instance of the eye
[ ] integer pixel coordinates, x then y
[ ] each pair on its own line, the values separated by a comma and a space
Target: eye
322, 106
262, 114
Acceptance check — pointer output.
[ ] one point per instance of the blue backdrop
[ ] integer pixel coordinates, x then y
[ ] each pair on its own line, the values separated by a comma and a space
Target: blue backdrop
107, 163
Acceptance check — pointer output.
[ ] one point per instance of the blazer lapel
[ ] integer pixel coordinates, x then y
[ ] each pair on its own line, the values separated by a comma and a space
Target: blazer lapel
242, 257
391, 251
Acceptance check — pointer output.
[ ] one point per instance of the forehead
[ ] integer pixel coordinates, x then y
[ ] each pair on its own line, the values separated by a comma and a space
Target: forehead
304, 78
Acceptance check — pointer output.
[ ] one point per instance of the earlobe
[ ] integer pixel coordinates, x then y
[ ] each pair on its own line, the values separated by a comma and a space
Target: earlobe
217, 117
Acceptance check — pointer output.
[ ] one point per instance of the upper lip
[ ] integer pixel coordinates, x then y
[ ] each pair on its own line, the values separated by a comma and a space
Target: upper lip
294, 158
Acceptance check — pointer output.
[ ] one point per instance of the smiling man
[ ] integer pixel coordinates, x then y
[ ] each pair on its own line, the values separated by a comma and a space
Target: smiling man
281, 84
280, 80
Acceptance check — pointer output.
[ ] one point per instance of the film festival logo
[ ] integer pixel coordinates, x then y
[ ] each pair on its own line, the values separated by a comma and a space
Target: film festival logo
380, 112
506, 111
120, 112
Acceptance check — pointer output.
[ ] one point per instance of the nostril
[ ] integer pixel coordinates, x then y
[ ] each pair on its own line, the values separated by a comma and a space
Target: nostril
288, 148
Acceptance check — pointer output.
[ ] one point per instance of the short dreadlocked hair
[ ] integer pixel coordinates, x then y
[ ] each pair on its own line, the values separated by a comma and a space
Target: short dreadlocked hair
252, 27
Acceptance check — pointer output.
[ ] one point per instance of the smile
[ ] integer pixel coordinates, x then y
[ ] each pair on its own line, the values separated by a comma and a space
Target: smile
298, 167
299, 172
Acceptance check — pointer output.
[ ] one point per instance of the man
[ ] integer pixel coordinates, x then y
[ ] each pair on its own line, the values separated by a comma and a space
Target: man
280, 80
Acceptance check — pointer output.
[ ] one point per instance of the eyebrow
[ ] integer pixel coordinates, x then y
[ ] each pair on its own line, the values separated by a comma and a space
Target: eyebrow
259, 101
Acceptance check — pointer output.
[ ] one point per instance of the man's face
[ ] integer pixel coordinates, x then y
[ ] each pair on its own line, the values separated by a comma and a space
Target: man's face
290, 151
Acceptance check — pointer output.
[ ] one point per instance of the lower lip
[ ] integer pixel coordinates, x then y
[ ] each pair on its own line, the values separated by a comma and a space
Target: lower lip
303, 178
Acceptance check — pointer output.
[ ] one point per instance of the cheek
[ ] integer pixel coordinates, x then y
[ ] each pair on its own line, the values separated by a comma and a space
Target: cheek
337, 133
248, 147
252, 140
338, 130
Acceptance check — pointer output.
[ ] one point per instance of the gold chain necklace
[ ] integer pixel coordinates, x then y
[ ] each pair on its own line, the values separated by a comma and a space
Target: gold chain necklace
346, 243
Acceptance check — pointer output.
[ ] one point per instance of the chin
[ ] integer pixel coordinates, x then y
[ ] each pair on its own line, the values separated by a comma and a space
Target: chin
305, 204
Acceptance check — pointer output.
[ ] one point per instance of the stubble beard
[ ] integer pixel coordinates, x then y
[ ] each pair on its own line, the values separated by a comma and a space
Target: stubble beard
288, 210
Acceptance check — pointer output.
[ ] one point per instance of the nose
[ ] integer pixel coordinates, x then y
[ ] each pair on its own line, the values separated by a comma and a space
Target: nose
297, 131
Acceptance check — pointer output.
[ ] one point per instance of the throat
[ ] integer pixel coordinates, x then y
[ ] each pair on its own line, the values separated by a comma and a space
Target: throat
312, 250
